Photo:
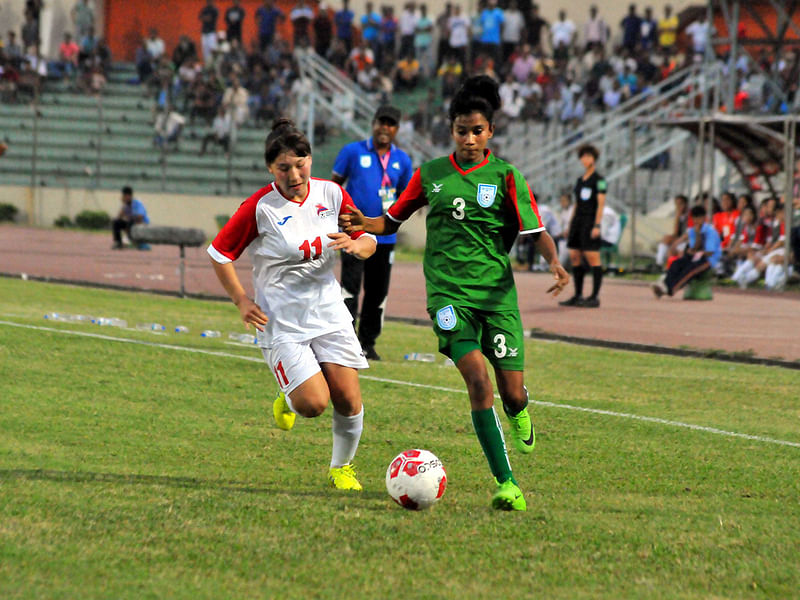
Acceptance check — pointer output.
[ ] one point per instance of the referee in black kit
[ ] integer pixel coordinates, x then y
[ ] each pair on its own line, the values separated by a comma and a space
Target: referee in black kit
584, 239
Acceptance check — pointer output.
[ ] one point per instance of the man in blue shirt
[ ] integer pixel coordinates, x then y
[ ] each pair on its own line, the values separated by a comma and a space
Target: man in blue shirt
376, 172
344, 25
370, 27
491, 20
267, 17
703, 252
131, 213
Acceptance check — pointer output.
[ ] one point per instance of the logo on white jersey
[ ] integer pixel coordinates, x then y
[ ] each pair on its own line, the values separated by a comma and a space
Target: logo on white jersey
284, 219
437, 187
323, 211
486, 194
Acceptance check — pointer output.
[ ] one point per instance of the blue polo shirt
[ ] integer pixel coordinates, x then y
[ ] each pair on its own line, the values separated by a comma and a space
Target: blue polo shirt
360, 165
136, 209
711, 243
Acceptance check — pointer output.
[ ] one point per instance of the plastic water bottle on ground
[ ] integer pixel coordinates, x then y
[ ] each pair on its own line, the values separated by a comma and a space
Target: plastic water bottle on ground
110, 321
244, 338
210, 333
53, 316
181, 329
150, 327
420, 357
81, 318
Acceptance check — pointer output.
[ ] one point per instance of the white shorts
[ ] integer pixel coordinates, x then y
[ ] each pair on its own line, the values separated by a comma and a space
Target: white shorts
292, 363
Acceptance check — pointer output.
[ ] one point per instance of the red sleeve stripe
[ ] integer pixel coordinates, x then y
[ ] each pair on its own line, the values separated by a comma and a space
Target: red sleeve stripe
412, 199
239, 231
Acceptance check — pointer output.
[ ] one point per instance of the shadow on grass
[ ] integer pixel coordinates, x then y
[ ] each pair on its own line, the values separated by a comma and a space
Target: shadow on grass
175, 482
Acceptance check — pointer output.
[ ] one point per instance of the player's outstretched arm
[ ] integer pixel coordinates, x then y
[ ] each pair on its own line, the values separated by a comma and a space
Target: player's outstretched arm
362, 247
250, 312
354, 220
547, 248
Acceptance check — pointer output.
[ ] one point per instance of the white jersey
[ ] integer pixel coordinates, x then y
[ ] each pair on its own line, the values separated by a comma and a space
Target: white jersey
293, 274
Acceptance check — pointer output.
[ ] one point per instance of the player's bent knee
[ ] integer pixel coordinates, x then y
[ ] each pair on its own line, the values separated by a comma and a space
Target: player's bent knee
310, 406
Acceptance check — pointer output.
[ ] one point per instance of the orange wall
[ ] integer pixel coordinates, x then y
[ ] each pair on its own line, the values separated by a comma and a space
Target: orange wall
752, 29
127, 21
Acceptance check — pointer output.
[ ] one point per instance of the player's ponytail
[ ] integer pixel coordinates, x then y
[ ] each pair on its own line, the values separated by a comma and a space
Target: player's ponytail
477, 94
285, 137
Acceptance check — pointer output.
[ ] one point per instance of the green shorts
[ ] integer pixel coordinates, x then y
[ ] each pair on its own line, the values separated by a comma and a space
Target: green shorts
498, 335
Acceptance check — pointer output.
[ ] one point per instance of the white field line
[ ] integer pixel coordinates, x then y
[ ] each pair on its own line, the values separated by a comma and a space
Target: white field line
595, 411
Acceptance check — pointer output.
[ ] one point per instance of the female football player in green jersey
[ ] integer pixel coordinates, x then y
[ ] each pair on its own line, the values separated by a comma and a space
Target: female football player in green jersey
477, 205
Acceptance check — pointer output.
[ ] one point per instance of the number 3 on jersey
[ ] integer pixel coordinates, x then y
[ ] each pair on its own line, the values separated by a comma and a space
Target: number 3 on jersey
459, 204
306, 246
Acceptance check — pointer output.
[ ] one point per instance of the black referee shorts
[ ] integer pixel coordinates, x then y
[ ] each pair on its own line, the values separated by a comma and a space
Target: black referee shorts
580, 234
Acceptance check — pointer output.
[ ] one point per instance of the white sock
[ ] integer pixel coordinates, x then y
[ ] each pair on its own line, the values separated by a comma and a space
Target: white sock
661, 254
346, 435
289, 403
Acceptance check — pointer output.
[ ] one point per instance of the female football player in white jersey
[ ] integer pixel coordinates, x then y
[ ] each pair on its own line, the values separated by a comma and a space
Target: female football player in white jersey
304, 328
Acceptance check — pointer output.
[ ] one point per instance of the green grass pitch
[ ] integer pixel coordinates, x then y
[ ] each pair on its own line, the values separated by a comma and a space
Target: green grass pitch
136, 465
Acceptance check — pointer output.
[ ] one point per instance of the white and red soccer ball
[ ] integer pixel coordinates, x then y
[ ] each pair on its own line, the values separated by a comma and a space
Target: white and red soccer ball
416, 479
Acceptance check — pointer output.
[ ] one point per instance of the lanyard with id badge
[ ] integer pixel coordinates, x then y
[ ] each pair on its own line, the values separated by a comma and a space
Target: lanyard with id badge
387, 191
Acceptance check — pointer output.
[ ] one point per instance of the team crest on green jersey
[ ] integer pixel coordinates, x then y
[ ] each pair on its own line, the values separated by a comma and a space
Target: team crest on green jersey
446, 317
486, 194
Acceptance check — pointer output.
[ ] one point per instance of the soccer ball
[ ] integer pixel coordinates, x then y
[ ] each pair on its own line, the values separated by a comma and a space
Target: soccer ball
416, 479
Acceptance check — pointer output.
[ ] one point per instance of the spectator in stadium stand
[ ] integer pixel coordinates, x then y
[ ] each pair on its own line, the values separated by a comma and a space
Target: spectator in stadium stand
407, 72
360, 59
29, 32
132, 212
595, 31
668, 247
323, 29
667, 29
537, 30
407, 26
584, 238
703, 252
387, 37
220, 134
304, 329
9, 81
155, 46
301, 16
343, 20
631, 26
337, 54
13, 50
423, 41
376, 172
524, 64
68, 56
82, 17
168, 128
371, 27
204, 98
268, 16
234, 19
491, 21
208, 29
443, 33
513, 28
459, 28
450, 73
648, 34
184, 51
699, 31
235, 101
562, 34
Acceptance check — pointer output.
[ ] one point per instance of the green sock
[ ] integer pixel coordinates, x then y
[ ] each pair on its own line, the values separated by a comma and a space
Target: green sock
490, 435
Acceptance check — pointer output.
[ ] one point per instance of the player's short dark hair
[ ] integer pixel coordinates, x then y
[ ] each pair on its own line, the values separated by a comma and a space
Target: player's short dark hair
683, 198
698, 210
477, 94
588, 149
127, 191
285, 137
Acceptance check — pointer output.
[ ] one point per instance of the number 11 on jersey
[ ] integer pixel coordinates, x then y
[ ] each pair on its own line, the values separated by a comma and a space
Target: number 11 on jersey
306, 246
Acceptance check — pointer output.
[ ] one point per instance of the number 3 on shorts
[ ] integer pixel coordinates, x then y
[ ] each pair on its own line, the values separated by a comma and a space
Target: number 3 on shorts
500, 341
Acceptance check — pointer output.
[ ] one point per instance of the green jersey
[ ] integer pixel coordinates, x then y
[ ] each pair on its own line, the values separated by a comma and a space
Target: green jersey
474, 214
